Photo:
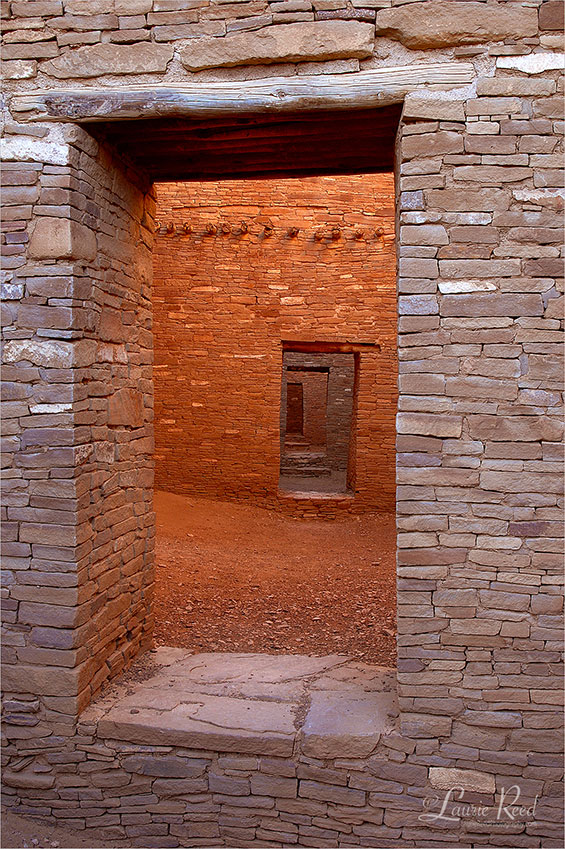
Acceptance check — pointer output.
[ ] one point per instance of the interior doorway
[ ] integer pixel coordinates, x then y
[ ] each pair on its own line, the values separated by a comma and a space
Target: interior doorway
317, 401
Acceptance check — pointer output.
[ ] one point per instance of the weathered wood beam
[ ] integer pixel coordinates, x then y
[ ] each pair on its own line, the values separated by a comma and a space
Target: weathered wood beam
363, 90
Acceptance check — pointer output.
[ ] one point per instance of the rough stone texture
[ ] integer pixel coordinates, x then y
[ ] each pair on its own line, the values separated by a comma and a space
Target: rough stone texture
125, 407
299, 42
59, 238
346, 725
468, 779
551, 15
247, 704
478, 509
436, 23
101, 59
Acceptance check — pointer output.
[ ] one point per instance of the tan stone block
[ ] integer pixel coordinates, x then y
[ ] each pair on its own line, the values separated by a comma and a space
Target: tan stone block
509, 86
271, 785
521, 482
551, 15
432, 144
416, 540
42, 680
433, 108
210, 29
545, 367
100, 59
61, 238
456, 598
464, 524
481, 387
429, 424
482, 128
484, 627
85, 7
422, 384
132, 7
125, 407
443, 778
28, 780
491, 174
490, 144
424, 725
487, 304
423, 234
296, 42
491, 367
67, 596
501, 600
515, 428
493, 106
433, 23
470, 200
19, 69
437, 477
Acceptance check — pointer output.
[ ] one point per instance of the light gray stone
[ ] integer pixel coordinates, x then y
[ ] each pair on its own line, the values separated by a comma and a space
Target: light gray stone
345, 725
469, 779
534, 63
215, 723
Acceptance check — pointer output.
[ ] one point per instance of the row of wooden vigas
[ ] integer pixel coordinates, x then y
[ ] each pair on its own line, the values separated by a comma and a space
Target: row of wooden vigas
266, 230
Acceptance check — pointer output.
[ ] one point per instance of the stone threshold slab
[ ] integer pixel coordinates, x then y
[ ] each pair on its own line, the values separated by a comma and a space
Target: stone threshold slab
314, 494
324, 707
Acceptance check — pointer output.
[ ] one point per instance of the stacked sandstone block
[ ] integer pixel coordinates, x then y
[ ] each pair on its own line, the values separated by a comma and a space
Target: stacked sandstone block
480, 293
225, 301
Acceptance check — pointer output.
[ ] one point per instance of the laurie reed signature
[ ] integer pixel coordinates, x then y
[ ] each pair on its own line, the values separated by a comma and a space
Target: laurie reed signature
452, 808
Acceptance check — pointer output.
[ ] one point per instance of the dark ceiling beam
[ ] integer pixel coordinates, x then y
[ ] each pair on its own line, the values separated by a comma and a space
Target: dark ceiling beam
260, 146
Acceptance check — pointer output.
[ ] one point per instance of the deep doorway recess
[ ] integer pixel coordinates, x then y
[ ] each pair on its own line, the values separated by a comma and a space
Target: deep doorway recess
280, 232
275, 397
317, 401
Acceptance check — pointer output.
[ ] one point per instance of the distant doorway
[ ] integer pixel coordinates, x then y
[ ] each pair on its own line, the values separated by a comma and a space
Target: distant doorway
315, 451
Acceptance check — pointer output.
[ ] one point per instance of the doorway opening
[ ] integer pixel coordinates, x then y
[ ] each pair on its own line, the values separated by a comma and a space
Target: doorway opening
272, 240
274, 307
317, 401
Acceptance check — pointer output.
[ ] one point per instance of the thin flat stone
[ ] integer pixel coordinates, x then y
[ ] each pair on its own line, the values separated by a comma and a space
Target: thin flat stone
357, 677
224, 667
221, 724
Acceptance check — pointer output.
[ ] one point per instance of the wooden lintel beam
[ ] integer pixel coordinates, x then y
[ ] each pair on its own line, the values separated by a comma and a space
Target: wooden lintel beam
332, 347
363, 90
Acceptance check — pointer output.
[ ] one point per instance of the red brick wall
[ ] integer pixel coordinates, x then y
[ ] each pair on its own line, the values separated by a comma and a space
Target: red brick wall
225, 301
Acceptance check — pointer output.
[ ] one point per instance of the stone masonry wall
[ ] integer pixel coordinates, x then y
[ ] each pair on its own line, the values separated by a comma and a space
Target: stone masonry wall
479, 196
225, 301
78, 429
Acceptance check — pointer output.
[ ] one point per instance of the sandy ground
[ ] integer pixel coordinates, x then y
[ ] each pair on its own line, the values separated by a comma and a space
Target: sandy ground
235, 577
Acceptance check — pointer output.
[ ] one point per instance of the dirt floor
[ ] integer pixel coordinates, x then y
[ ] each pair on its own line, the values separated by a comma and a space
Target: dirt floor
234, 577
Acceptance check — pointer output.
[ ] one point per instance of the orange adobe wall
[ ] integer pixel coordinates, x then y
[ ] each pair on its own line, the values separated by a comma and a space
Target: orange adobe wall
232, 281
